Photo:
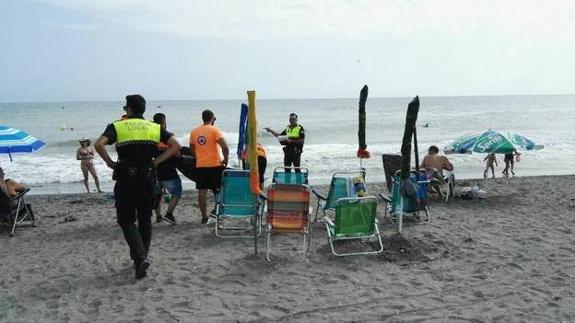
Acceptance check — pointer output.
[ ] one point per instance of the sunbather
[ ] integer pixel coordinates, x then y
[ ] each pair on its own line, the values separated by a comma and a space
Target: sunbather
85, 155
10, 187
434, 166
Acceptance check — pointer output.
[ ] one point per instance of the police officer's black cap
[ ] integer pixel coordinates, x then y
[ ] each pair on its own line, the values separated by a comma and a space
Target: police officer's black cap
136, 102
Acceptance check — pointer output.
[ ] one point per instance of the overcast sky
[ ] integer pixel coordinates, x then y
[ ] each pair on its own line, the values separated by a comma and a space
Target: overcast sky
52, 50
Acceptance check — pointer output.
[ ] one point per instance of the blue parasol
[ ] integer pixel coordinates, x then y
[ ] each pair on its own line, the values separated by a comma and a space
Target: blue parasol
17, 141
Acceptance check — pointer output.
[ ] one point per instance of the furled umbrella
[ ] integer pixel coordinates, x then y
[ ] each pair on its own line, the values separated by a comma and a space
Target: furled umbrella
242, 130
17, 141
252, 143
362, 151
491, 141
252, 156
408, 134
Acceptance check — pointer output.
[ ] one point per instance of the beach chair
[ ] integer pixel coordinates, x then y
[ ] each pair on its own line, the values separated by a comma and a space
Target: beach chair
280, 176
399, 205
391, 164
445, 182
341, 185
14, 216
288, 212
355, 219
238, 204
442, 182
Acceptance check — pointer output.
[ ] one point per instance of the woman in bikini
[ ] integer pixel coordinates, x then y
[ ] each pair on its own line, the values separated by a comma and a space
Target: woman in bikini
85, 155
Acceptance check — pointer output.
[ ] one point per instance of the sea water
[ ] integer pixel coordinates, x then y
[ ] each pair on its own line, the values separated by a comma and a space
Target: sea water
331, 133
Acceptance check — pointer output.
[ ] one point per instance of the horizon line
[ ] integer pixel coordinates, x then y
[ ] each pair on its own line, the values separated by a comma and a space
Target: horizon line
301, 98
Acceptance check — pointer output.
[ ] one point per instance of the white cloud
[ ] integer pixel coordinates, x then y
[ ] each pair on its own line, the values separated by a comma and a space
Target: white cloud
327, 18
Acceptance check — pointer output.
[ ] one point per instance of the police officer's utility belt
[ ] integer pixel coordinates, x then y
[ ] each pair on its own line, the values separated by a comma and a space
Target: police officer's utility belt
293, 149
122, 171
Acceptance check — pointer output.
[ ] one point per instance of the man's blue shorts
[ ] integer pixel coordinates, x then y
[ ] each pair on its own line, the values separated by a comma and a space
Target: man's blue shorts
174, 186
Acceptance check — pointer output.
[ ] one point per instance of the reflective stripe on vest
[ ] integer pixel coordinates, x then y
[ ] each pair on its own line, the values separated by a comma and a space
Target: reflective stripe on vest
136, 131
293, 132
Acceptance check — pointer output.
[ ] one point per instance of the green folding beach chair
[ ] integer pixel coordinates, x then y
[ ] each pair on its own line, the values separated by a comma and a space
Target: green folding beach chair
355, 219
238, 204
342, 185
280, 176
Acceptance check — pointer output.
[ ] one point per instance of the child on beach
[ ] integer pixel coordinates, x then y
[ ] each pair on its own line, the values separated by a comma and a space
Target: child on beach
489, 161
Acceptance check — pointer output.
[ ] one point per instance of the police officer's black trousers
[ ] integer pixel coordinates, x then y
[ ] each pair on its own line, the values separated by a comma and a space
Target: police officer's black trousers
292, 157
135, 201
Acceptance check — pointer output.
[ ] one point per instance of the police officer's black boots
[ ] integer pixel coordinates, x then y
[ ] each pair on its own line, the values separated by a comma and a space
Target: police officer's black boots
142, 268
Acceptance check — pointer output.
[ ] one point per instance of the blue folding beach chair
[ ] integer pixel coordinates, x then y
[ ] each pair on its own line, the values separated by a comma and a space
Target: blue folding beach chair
280, 176
399, 205
238, 204
342, 185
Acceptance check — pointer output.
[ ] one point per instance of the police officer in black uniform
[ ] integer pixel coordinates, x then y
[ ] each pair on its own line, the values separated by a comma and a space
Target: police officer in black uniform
293, 144
136, 142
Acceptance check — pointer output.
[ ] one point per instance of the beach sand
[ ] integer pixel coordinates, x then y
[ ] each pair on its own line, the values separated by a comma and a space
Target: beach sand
508, 258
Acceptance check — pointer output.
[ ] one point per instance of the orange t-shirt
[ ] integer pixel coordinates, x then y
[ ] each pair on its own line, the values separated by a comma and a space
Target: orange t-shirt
261, 151
205, 138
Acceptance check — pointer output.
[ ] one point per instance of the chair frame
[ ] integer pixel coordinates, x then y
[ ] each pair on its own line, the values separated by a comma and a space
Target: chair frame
376, 234
306, 230
274, 180
321, 197
255, 216
447, 184
20, 213
399, 215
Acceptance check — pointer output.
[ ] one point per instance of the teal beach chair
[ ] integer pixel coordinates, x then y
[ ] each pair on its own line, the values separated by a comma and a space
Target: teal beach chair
341, 186
355, 219
399, 205
237, 203
280, 176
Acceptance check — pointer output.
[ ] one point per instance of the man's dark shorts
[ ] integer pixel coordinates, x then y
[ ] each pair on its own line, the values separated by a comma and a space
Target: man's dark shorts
209, 178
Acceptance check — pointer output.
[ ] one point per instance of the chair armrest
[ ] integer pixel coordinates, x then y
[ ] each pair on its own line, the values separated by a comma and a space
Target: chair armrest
318, 195
384, 197
19, 195
329, 221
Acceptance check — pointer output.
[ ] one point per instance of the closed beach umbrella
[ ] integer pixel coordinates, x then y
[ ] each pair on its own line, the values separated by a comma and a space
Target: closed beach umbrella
491, 141
252, 143
362, 151
242, 129
408, 134
17, 141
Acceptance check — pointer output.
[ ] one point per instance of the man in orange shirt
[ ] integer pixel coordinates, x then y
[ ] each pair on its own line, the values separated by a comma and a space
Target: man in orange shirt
208, 144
